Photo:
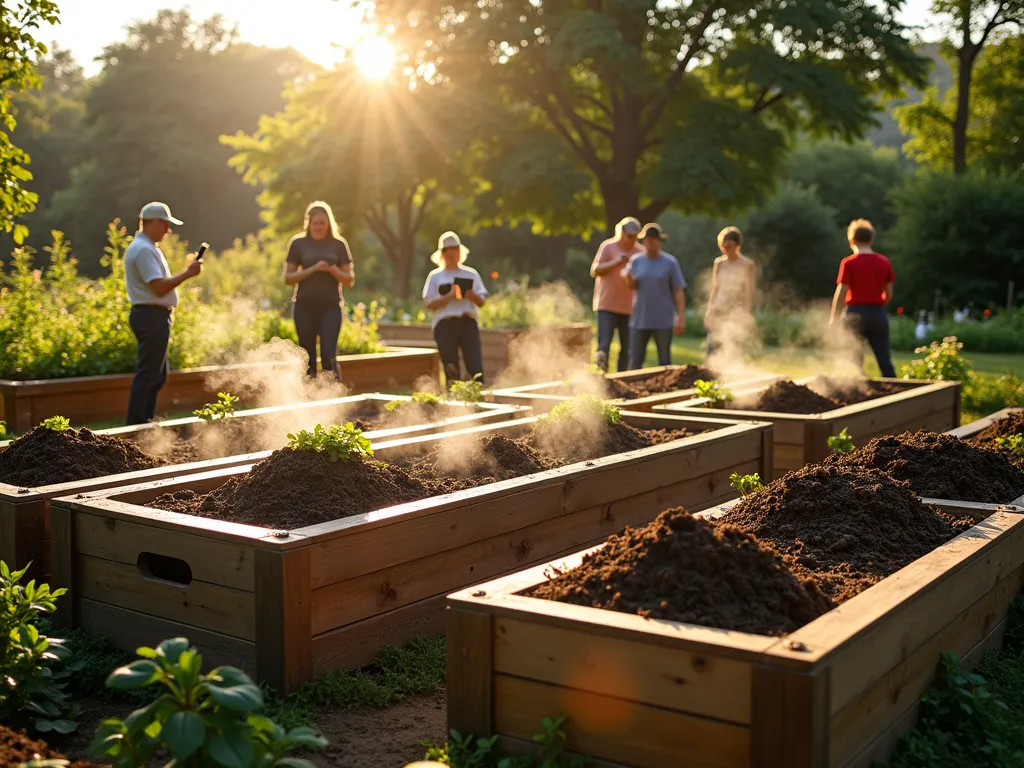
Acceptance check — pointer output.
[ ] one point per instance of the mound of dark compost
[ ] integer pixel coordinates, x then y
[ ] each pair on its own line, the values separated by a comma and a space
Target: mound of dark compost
682, 568
845, 528
17, 748
847, 392
676, 378
46, 457
1013, 424
941, 467
787, 397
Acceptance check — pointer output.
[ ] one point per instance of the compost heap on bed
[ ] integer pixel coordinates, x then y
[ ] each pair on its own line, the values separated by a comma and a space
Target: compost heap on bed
17, 748
845, 528
47, 457
675, 378
821, 395
941, 467
1013, 424
293, 489
682, 568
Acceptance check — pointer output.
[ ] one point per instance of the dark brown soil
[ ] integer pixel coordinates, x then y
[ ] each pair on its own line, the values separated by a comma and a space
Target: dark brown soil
845, 528
17, 748
678, 377
851, 392
291, 490
786, 397
941, 467
1013, 424
682, 568
46, 457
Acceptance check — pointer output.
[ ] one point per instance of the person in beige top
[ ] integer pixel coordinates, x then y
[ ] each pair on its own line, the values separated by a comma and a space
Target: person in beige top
613, 298
728, 318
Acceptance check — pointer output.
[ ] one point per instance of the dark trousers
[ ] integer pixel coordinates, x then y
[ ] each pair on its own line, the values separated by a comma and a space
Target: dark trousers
607, 324
152, 328
872, 323
323, 320
459, 333
639, 337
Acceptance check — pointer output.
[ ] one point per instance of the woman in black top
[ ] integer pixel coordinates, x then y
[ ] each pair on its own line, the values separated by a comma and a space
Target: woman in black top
319, 262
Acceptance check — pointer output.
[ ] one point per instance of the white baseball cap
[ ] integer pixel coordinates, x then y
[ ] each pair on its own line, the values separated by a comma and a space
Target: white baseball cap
159, 211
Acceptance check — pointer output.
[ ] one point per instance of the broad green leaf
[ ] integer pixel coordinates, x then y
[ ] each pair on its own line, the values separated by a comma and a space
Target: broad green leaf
238, 698
232, 749
184, 733
172, 648
138, 674
306, 737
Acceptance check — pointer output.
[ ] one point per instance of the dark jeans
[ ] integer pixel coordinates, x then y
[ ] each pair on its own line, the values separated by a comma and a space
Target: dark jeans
459, 333
313, 319
607, 324
872, 323
638, 338
152, 328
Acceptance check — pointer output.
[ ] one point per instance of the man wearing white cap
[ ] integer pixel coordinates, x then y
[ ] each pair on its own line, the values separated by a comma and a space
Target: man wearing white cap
152, 291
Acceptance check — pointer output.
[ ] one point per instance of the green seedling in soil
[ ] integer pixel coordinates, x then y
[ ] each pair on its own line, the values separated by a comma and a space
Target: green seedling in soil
746, 484
582, 406
467, 391
418, 398
224, 407
201, 719
715, 393
342, 442
1014, 443
57, 424
841, 443
33, 668
467, 752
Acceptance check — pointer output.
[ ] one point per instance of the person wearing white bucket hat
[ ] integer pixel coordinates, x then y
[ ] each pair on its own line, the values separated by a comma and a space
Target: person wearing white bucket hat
454, 292
152, 292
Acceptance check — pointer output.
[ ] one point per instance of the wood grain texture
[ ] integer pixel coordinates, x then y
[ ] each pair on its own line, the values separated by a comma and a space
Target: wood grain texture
284, 656
62, 548
789, 721
470, 654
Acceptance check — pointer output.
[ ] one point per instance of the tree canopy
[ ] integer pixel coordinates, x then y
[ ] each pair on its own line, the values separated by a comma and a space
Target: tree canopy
643, 105
152, 127
19, 50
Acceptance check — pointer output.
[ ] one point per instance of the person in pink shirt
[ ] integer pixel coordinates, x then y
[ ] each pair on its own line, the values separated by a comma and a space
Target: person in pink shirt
613, 298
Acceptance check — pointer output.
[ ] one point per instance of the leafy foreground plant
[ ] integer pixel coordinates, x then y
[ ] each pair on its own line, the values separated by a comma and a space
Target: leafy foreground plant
471, 391
342, 442
202, 720
583, 407
56, 424
1014, 443
224, 407
32, 673
841, 443
418, 398
746, 484
715, 393
467, 752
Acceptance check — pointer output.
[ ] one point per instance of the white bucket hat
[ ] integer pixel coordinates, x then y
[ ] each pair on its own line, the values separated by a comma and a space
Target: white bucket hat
449, 240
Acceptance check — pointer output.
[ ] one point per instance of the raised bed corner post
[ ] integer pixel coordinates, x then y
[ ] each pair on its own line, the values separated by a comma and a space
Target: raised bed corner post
470, 655
62, 564
22, 529
284, 652
789, 718
767, 456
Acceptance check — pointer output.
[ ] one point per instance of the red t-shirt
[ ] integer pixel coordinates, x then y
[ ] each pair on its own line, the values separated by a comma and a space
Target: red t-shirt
866, 274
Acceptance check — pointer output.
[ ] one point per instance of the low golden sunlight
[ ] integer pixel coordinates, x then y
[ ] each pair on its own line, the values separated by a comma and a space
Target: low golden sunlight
374, 57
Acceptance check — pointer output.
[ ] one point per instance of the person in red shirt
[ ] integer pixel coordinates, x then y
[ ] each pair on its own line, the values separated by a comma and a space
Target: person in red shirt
865, 282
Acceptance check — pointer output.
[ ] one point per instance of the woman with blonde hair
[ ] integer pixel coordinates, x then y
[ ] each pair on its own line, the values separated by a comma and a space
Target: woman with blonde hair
319, 262
454, 292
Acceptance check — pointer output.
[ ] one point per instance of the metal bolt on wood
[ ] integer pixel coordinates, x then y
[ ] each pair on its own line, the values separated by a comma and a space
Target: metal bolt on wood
281, 534
480, 593
796, 645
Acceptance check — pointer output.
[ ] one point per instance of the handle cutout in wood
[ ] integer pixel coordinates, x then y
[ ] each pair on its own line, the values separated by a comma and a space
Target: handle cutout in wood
169, 570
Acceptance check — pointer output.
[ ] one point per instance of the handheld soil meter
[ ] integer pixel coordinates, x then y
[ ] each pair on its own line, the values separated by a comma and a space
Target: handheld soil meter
201, 251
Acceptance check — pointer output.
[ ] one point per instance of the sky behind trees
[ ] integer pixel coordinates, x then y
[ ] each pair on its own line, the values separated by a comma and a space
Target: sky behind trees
310, 26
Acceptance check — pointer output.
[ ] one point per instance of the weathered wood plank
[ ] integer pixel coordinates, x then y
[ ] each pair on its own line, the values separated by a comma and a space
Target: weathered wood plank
470, 655
62, 547
22, 535
694, 683
284, 656
788, 720
618, 730
207, 606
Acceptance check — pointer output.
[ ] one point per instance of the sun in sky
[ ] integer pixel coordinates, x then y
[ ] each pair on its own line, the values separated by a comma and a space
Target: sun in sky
374, 57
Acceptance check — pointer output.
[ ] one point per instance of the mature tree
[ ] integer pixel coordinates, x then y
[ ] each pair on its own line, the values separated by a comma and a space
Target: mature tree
19, 50
854, 180
683, 104
970, 25
49, 123
381, 153
154, 117
994, 140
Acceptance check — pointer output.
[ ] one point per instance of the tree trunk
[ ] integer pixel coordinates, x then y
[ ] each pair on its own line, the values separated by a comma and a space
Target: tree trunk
963, 107
401, 266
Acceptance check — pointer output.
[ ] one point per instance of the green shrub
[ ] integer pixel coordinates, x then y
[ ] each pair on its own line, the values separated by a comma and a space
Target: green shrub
583, 407
200, 719
746, 484
33, 668
342, 442
417, 398
941, 361
519, 306
467, 391
1001, 333
841, 443
716, 393
224, 407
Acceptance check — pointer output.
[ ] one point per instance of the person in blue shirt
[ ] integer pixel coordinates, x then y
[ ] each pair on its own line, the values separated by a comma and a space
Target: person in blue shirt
659, 309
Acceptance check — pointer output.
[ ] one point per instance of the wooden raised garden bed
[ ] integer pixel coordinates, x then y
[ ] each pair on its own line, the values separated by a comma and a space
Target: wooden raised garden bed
543, 397
968, 431
647, 693
94, 399
287, 605
24, 512
801, 439
499, 344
